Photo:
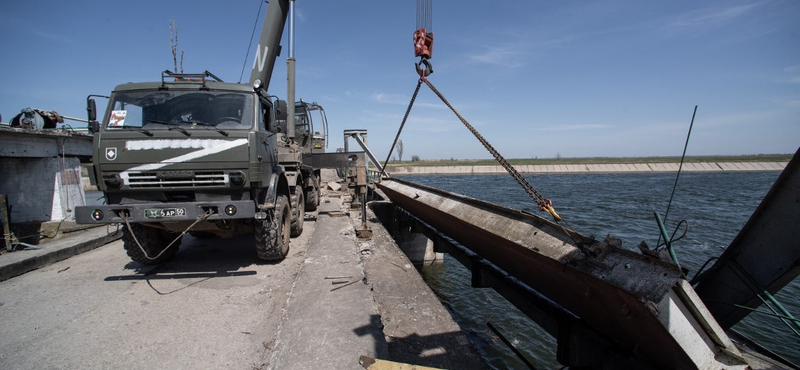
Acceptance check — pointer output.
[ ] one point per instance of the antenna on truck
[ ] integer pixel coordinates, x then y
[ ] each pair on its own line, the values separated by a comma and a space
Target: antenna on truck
252, 34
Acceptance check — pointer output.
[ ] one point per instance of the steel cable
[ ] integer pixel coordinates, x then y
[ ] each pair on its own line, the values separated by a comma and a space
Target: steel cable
252, 34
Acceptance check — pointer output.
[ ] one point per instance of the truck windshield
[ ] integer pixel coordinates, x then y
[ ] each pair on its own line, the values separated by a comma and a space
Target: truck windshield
154, 110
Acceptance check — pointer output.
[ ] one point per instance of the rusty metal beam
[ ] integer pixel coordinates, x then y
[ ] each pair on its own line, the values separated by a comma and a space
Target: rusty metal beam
335, 160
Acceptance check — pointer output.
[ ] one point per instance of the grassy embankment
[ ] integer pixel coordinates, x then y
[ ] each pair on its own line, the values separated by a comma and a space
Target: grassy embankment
596, 160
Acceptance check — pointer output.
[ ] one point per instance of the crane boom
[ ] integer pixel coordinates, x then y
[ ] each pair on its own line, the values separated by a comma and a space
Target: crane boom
269, 42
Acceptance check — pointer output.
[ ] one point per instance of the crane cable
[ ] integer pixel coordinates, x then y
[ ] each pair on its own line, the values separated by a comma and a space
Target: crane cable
408, 110
252, 34
423, 48
423, 37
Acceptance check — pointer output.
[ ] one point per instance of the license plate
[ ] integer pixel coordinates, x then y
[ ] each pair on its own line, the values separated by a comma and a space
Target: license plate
164, 212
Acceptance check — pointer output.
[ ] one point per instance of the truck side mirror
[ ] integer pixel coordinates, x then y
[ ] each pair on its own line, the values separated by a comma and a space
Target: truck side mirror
93, 126
281, 110
91, 109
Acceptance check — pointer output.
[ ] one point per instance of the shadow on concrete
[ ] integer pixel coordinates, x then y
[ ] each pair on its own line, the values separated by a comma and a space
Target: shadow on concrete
440, 350
200, 258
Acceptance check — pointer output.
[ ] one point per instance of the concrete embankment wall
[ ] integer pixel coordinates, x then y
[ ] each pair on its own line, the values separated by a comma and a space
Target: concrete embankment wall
576, 168
594, 168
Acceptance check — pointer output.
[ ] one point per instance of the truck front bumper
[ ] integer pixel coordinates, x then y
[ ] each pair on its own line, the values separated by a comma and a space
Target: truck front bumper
165, 212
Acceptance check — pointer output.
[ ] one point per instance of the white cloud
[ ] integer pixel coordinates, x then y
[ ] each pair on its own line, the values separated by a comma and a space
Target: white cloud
386, 98
587, 126
520, 47
432, 124
400, 99
753, 118
793, 73
706, 18
506, 56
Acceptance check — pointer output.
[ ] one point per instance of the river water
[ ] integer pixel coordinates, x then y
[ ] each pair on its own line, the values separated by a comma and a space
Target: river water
715, 204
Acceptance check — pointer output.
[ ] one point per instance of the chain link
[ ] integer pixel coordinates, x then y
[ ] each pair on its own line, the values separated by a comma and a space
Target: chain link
537, 197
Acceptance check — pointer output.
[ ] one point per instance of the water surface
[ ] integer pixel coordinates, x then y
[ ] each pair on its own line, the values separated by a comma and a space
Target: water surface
715, 204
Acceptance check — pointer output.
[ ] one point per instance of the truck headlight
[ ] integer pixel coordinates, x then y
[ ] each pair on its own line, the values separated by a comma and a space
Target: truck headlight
113, 181
237, 178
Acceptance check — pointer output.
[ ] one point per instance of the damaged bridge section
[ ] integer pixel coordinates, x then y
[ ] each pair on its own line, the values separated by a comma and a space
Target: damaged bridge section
607, 307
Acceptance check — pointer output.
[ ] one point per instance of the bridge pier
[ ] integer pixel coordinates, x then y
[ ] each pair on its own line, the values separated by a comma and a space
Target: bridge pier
409, 235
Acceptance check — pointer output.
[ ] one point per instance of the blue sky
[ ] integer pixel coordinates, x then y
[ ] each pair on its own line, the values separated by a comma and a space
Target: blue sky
536, 78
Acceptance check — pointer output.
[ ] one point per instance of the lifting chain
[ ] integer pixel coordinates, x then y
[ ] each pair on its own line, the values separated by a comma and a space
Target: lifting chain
543, 203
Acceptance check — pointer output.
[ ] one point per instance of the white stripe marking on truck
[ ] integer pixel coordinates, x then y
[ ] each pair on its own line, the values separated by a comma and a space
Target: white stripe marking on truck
221, 147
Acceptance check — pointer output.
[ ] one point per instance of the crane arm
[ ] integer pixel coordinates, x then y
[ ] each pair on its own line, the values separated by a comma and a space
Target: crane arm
269, 42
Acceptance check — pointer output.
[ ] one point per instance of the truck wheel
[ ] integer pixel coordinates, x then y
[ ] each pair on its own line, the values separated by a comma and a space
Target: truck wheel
312, 201
152, 241
272, 233
298, 211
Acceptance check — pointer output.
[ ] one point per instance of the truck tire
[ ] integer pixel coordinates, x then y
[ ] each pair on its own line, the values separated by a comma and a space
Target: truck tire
272, 233
312, 200
152, 240
298, 211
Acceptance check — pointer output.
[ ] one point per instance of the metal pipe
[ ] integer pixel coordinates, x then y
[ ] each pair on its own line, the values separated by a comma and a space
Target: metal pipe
767, 313
763, 294
667, 241
291, 28
290, 76
371, 156
6, 223
75, 119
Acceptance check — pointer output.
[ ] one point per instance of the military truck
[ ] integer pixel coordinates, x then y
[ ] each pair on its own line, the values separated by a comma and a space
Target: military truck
193, 154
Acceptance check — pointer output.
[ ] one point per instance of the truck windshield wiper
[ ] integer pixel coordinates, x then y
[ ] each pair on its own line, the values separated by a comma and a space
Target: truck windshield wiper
173, 126
134, 128
181, 129
210, 127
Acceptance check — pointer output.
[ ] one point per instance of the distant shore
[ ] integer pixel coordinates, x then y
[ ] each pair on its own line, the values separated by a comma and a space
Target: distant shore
592, 168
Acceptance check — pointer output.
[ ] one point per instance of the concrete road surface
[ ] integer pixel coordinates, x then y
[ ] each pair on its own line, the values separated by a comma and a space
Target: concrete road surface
215, 306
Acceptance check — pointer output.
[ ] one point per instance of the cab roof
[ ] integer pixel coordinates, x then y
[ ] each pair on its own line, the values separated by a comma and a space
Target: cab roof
186, 81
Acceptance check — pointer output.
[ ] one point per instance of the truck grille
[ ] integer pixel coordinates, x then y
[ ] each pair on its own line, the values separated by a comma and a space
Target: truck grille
196, 179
